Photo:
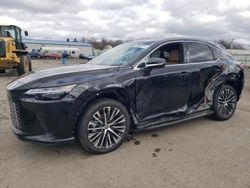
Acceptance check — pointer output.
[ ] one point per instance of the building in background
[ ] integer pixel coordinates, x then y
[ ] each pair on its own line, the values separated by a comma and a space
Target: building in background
47, 47
243, 56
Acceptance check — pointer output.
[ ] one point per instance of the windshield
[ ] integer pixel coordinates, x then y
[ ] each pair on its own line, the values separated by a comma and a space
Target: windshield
121, 55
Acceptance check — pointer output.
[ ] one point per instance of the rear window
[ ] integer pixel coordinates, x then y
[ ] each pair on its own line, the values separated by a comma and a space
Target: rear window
199, 53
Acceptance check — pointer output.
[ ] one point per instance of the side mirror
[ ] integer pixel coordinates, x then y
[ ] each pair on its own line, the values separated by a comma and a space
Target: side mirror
26, 33
155, 62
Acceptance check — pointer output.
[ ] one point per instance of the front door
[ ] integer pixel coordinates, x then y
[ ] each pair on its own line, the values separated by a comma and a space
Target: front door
164, 92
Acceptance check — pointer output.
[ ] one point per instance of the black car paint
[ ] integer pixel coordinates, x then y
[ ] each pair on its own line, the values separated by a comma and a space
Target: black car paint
161, 96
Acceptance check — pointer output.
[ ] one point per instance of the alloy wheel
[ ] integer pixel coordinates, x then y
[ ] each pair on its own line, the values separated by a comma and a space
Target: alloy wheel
106, 128
226, 102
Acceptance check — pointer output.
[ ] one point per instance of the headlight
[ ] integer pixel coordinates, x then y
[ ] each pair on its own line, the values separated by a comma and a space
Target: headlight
50, 93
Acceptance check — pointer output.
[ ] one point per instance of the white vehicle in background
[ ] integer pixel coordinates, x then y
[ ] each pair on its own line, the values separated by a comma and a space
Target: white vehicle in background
58, 51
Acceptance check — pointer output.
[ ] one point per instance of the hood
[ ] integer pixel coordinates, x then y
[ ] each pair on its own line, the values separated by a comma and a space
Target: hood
64, 76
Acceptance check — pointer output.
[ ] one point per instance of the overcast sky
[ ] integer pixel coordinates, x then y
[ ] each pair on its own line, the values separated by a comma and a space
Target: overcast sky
124, 19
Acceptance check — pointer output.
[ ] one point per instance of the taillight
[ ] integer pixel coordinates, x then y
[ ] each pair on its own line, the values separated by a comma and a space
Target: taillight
242, 66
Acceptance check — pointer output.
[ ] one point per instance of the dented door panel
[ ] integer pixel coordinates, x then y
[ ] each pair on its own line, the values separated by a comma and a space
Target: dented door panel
163, 93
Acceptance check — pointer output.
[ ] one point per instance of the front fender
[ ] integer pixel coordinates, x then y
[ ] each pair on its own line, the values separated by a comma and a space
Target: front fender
123, 92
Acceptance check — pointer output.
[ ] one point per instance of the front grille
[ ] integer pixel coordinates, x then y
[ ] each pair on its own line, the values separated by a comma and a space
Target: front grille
15, 113
2, 48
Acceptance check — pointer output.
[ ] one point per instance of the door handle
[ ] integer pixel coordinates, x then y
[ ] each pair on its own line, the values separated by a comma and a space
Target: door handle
183, 74
218, 69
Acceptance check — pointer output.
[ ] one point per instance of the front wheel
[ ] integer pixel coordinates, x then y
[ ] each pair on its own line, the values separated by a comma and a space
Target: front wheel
24, 66
103, 126
225, 102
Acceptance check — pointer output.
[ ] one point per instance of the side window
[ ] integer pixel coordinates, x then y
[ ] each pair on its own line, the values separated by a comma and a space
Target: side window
199, 53
172, 53
219, 54
156, 53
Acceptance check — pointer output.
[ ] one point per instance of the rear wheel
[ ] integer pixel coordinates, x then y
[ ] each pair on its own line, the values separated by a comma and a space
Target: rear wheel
103, 126
24, 66
225, 102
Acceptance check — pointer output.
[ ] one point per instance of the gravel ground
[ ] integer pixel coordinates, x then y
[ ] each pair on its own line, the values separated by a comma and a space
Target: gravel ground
198, 153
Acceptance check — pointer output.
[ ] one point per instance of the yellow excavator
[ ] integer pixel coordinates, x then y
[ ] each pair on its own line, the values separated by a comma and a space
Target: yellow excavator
13, 53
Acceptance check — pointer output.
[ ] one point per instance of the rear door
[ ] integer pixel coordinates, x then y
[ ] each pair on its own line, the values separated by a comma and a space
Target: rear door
204, 66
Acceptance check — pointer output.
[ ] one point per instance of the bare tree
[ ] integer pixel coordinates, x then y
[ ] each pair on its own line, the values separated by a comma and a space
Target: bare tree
230, 44
101, 44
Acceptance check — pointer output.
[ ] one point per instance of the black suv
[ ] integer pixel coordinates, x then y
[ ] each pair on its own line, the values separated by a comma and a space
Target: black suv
137, 85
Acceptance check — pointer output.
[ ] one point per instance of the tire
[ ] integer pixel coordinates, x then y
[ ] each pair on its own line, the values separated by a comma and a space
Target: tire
24, 66
224, 102
2, 71
30, 64
97, 137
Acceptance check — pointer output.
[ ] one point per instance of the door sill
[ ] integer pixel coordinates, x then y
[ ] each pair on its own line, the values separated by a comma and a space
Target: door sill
151, 125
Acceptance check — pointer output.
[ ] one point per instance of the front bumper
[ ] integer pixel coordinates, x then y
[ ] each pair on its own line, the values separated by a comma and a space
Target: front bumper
46, 139
45, 122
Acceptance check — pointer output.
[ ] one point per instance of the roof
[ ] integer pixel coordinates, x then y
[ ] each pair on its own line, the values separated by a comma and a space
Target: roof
56, 42
184, 39
200, 40
9, 26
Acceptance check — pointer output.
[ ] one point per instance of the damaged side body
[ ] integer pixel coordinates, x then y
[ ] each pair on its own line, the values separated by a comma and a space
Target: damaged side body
179, 90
